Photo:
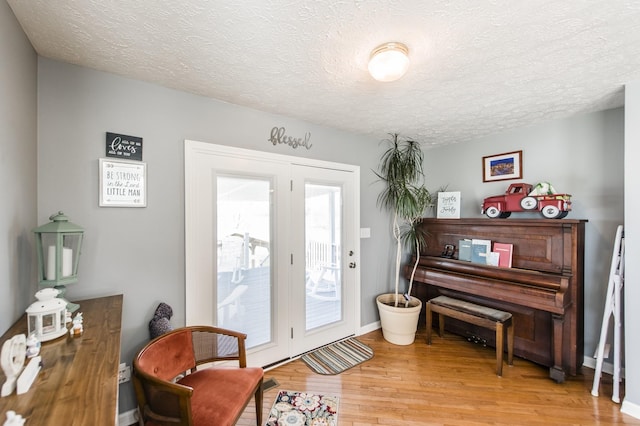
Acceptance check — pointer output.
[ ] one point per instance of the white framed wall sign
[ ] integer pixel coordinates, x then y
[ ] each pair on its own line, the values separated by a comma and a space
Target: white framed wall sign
448, 205
123, 183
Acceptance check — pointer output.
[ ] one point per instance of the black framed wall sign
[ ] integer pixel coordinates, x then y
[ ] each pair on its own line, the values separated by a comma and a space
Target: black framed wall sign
122, 183
123, 146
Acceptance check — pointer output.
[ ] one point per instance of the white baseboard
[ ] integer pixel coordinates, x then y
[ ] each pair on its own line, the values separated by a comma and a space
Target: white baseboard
607, 367
128, 418
630, 408
369, 328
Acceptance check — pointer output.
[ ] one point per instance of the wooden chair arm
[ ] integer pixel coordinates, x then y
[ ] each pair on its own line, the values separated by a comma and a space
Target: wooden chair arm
225, 332
241, 355
161, 400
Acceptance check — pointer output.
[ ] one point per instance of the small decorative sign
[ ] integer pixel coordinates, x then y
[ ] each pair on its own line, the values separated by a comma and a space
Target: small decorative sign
124, 147
448, 205
123, 183
278, 136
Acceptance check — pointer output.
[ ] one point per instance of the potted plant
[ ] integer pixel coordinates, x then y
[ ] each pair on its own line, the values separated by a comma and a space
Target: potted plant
407, 198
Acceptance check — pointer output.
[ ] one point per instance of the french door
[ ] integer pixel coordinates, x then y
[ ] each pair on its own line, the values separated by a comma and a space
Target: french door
324, 306
271, 248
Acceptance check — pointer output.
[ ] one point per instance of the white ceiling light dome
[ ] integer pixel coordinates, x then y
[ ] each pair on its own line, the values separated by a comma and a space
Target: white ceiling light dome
389, 61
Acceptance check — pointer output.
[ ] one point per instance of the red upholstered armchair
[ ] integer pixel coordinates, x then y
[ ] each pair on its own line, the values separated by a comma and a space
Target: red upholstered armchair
172, 390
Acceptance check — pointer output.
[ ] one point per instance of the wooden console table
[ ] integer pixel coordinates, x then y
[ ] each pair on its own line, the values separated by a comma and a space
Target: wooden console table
78, 382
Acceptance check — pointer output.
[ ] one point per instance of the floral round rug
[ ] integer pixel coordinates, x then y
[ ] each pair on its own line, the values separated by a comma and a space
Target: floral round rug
303, 409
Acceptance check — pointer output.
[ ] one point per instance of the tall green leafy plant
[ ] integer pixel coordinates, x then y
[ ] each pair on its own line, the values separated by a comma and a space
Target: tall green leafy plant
406, 197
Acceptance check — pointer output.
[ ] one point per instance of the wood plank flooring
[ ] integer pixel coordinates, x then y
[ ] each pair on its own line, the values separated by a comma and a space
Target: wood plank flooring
451, 382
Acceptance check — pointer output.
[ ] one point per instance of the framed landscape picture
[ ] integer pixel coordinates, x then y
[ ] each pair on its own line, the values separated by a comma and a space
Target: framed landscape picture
502, 166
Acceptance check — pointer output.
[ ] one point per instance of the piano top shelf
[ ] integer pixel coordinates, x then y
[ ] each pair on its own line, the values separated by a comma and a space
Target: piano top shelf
504, 222
543, 245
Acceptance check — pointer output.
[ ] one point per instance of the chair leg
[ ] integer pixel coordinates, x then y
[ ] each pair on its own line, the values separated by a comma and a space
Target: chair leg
429, 323
258, 401
499, 347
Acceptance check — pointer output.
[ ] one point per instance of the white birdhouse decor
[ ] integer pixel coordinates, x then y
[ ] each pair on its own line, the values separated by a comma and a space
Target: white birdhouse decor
47, 315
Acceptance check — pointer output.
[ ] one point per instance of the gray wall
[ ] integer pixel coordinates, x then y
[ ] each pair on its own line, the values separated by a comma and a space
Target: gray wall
18, 115
631, 403
139, 252
581, 155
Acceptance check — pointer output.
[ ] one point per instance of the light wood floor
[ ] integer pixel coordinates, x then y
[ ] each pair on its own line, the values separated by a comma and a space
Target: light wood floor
451, 382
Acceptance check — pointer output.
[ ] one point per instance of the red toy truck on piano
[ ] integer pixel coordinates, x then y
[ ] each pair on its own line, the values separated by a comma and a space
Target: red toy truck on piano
522, 197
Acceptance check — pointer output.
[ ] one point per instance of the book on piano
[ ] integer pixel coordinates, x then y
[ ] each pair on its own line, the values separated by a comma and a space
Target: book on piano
493, 258
506, 254
464, 250
479, 250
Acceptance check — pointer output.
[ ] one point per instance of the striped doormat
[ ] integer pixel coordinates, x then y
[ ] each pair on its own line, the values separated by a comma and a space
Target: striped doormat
338, 357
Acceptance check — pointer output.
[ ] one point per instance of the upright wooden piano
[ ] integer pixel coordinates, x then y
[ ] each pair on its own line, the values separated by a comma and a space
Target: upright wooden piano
543, 289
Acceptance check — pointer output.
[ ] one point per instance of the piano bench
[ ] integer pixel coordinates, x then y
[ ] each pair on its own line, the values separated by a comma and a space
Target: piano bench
479, 315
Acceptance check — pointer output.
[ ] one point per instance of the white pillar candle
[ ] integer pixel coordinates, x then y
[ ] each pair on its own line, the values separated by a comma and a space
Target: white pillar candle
67, 262
50, 273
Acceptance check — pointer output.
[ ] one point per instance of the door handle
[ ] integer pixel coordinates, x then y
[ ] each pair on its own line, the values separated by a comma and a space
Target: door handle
352, 265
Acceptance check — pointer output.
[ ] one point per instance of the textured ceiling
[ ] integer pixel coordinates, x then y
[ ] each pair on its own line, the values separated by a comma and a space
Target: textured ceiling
476, 67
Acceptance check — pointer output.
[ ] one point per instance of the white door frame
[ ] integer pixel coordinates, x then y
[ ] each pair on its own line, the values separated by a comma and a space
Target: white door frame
198, 309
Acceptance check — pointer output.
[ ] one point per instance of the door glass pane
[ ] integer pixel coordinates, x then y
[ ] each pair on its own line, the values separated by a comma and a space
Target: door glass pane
323, 236
244, 265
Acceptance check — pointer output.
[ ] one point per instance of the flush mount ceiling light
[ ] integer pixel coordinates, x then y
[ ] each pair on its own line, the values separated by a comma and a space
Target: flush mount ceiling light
389, 61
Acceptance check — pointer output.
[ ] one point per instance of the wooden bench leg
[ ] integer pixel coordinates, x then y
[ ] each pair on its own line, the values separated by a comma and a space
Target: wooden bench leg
441, 325
429, 321
499, 347
510, 342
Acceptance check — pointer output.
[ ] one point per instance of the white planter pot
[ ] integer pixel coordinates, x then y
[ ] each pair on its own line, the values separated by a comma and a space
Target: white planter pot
399, 324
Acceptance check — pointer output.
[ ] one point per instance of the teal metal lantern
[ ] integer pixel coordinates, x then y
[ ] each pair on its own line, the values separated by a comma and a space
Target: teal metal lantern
58, 245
